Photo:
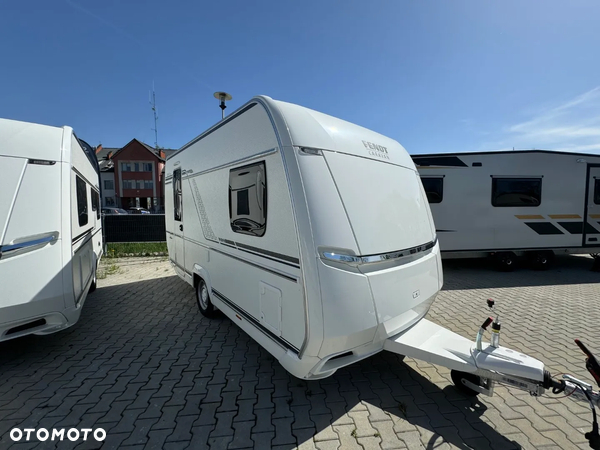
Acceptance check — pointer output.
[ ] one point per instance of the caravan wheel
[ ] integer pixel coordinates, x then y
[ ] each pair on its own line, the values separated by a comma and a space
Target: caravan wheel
203, 299
93, 285
506, 261
542, 260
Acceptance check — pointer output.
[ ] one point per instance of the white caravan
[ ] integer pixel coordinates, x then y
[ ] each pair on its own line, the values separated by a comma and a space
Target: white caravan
533, 203
50, 228
315, 236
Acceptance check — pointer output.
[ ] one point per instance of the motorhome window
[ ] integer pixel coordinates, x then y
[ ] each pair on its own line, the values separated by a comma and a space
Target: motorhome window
434, 188
248, 199
96, 203
597, 192
177, 198
516, 192
82, 205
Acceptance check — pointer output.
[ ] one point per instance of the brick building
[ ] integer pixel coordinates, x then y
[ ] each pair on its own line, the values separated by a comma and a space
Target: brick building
133, 176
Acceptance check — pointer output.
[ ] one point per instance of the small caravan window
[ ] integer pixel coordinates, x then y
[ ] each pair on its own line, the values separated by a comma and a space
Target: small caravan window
177, 196
516, 191
96, 203
248, 199
434, 188
597, 192
82, 206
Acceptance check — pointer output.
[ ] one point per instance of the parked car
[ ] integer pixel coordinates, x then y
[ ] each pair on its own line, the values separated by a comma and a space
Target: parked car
110, 211
138, 210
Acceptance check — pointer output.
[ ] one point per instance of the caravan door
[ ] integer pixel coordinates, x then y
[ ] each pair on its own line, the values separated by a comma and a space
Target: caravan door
591, 230
178, 231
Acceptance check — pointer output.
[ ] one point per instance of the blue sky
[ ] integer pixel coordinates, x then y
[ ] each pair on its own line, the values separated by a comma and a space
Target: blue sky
436, 76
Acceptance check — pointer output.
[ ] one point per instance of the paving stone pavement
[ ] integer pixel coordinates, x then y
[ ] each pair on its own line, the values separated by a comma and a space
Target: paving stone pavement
146, 366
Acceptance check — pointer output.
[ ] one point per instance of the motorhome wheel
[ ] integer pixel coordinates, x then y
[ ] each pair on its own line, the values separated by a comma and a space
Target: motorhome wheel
457, 378
203, 299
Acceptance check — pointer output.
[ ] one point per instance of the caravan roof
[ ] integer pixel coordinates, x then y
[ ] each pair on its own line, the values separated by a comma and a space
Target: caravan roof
24, 139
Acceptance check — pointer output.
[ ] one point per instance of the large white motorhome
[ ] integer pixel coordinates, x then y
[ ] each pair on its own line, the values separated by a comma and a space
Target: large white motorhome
533, 203
50, 227
315, 236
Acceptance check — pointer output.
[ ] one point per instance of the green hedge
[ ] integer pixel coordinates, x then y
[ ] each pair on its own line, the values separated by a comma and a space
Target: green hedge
119, 250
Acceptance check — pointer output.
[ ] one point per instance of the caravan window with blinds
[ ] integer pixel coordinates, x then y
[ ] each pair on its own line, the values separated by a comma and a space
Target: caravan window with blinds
177, 196
434, 188
82, 205
516, 191
248, 199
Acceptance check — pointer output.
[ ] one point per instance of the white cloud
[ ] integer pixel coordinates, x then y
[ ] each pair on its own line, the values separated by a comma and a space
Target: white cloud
571, 126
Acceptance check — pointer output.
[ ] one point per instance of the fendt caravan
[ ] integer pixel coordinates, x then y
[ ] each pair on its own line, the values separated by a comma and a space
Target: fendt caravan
315, 236
533, 203
50, 228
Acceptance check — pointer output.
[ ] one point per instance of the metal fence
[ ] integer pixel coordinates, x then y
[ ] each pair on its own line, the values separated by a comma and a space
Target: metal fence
134, 228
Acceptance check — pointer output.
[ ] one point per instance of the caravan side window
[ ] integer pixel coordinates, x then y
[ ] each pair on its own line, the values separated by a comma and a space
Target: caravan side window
82, 205
434, 188
177, 196
248, 199
597, 192
96, 203
516, 191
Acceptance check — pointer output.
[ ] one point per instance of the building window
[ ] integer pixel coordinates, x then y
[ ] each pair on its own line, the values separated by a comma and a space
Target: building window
128, 184
597, 192
96, 203
516, 192
434, 188
136, 167
147, 167
139, 184
109, 185
82, 206
148, 184
177, 195
109, 201
248, 199
126, 167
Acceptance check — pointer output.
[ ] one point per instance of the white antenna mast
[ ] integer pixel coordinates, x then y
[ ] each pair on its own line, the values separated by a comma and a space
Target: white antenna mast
153, 104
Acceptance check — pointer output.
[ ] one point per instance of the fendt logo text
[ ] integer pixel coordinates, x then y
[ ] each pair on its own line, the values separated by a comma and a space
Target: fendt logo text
42, 434
376, 150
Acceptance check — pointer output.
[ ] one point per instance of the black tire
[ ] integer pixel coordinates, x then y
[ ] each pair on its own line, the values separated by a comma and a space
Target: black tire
94, 279
203, 299
457, 378
506, 261
542, 260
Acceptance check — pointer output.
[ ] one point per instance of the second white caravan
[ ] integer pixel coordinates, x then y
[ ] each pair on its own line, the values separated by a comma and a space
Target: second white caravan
50, 227
533, 203
311, 233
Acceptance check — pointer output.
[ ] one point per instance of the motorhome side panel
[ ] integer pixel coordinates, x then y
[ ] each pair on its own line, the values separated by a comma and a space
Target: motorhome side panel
30, 197
238, 224
85, 220
466, 219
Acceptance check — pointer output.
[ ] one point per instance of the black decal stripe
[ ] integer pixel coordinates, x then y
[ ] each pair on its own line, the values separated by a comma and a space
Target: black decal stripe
572, 227
445, 231
448, 161
255, 322
543, 228
269, 253
76, 238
